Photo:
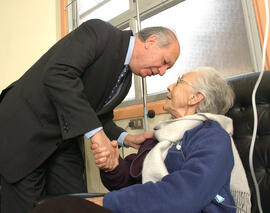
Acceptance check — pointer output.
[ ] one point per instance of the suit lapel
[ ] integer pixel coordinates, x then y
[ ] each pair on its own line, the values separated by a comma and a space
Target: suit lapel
120, 97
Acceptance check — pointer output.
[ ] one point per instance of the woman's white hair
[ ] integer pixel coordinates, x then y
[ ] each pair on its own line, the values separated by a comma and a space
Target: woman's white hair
218, 94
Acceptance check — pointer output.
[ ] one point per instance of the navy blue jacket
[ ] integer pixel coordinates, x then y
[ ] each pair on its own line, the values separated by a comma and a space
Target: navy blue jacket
198, 172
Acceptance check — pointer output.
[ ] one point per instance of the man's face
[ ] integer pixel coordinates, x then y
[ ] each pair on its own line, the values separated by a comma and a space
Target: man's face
149, 59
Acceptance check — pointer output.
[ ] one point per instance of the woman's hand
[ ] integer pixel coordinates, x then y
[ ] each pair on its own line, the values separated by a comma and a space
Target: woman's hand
96, 200
135, 141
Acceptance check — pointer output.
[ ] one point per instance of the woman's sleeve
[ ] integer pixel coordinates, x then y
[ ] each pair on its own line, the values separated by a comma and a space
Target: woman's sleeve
119, 177
129, 169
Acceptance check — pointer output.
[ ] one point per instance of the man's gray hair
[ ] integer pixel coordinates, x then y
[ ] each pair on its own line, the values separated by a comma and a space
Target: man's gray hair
219, 96
165, 36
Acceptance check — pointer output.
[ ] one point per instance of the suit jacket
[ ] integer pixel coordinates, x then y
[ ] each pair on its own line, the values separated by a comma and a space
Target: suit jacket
62, 97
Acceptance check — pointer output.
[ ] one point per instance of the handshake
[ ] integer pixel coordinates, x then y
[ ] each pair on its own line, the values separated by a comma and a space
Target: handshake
106, 152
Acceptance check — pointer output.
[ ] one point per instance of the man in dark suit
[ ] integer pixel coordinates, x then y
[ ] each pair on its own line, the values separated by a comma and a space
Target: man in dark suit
68, 93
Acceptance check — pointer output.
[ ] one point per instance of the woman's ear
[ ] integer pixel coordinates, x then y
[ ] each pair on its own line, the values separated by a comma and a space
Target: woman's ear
195, 98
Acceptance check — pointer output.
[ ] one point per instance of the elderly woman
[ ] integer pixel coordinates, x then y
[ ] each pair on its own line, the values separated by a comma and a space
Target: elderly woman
191, 165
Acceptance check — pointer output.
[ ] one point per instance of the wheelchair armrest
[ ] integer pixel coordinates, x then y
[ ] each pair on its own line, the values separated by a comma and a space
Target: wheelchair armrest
81, 195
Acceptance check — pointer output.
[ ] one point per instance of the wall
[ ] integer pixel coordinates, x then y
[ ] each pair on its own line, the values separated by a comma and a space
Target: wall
259, 7
28, 29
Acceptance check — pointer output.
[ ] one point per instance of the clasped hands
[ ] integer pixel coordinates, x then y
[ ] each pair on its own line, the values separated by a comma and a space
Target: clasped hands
106, 152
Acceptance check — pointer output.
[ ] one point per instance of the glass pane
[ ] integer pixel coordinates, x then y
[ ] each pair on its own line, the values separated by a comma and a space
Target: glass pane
211, 33
84, 5
106, 12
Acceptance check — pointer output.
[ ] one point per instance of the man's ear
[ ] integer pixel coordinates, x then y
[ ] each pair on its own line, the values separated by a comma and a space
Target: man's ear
152, 39
196, 98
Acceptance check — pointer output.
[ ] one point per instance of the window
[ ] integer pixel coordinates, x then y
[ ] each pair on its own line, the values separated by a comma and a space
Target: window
101, 9
211, 33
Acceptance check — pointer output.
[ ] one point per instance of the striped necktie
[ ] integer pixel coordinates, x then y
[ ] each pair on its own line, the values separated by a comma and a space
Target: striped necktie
118, 83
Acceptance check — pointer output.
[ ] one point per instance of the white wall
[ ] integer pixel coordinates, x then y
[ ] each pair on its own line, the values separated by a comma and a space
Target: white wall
28, 29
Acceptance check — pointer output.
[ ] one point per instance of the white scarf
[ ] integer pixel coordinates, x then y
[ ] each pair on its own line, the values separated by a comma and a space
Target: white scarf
169, 132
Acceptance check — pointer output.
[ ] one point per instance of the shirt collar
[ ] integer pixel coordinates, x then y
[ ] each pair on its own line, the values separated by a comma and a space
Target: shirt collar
130, 50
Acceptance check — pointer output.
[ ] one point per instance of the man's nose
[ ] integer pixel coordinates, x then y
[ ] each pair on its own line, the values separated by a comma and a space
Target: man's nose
162, 70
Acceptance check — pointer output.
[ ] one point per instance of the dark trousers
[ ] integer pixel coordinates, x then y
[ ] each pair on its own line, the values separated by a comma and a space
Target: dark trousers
63, 172
69, 204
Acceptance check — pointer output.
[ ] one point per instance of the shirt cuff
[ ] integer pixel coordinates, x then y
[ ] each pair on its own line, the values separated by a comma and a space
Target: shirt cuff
121, 139
92, 132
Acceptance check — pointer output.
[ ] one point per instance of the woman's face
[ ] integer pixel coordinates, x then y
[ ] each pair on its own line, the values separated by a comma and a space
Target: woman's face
179, 96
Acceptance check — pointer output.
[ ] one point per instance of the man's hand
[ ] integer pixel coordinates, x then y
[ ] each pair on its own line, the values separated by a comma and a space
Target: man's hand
96, 200
101, 155
109, 152
135, 141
